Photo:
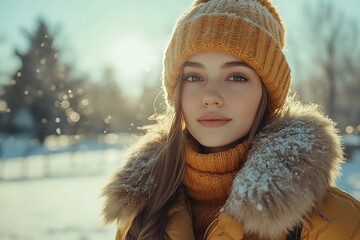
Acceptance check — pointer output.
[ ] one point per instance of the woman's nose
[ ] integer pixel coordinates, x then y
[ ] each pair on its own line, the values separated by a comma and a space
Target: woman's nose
212, 98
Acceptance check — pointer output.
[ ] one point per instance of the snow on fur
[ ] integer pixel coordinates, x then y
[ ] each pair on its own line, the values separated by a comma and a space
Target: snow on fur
131, 185
289, 168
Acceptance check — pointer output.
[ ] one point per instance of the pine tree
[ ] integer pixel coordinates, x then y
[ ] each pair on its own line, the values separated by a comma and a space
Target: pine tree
43, 87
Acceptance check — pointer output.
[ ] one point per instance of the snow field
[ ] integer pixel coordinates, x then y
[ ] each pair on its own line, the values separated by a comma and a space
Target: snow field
64, 205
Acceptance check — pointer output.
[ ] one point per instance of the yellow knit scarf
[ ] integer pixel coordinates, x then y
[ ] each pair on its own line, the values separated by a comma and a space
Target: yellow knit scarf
208, 179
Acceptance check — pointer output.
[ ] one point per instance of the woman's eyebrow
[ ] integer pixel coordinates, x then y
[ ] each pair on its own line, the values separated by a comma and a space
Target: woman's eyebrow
223, 66
194, 65
235, 64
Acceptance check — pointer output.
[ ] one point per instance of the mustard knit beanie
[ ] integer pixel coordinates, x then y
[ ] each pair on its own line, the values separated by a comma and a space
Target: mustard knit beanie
248, 29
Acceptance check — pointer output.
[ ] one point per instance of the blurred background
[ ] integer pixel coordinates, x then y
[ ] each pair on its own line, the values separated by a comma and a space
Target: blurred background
77, 79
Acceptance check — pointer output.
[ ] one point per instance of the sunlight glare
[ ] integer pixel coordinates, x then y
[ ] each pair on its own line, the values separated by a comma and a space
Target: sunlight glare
132, 56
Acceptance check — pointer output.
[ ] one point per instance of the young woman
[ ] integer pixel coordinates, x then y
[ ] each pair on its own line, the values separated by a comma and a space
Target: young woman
233, 157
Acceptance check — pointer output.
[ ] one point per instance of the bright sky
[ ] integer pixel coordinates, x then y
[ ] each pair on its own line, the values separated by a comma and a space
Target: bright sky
125, 34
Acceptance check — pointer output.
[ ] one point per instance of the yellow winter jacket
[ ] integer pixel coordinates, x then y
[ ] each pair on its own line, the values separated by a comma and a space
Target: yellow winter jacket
287, 181
336, 217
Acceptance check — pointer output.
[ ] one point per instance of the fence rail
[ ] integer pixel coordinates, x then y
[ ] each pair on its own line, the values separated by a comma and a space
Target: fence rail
58, 156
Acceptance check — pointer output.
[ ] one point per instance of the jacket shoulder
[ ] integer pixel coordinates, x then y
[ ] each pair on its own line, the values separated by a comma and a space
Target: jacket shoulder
338, 204
344, 196
337, 216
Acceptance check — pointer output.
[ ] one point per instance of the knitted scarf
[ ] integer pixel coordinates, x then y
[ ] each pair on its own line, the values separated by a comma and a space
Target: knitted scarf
207, 182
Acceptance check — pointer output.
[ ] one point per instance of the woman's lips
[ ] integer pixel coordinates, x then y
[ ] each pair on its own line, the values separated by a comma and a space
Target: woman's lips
213, 120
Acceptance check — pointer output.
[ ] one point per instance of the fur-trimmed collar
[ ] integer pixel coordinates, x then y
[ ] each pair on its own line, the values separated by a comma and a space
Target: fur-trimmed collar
290, 166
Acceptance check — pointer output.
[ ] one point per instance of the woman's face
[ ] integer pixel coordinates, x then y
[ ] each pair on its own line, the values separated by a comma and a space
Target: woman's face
220, 98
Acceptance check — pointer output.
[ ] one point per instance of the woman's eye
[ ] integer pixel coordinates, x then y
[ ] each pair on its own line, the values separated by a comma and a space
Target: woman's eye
193, 78
238, 78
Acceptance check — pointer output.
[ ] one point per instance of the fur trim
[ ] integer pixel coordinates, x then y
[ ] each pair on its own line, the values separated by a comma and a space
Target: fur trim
131, 185
291, 164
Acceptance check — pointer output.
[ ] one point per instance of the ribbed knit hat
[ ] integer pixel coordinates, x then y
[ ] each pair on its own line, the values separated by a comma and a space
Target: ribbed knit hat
248, 29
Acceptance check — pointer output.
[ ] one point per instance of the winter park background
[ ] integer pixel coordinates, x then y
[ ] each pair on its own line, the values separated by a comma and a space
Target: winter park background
77, 79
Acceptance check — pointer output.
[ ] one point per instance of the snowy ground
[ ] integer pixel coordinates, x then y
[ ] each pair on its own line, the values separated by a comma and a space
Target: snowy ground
64, 205
57, 197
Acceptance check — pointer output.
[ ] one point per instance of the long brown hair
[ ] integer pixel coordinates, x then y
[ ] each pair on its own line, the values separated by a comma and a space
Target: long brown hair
262, 114
168, 169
